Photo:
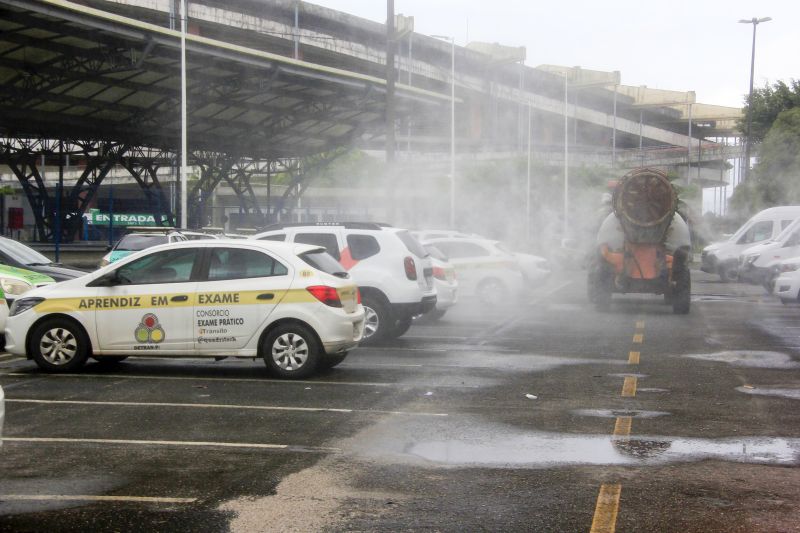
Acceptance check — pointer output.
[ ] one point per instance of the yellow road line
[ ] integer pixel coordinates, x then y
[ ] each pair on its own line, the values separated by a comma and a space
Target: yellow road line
640, 324
622, 427
633, 358
629, 387
638, 338
605, 512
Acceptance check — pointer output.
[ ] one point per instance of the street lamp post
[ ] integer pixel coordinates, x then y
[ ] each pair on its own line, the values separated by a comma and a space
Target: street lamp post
452, 127
184, 142
755, 22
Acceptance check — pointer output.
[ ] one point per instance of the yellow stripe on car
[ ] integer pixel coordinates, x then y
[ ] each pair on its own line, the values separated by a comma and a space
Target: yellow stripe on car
155, 301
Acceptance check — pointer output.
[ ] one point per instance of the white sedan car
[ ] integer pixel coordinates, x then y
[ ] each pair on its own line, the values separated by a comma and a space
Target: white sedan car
444, 281
787, 284
484, 268
290, 304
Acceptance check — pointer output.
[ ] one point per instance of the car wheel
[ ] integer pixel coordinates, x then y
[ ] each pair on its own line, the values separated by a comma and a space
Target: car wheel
401, 326
769, 282
600, 285
681, 294
291, 351
492, 292
109, 360
377, 320
59, 345
728, 273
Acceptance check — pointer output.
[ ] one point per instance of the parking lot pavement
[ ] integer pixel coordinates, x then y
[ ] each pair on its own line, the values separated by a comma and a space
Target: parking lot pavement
504, 419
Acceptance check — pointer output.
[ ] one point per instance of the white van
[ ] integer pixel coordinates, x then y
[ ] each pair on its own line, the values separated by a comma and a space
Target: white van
723, 257
758, 263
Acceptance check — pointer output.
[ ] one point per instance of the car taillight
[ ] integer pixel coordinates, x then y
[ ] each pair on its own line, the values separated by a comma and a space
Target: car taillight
439, 273
411, 268
326, 295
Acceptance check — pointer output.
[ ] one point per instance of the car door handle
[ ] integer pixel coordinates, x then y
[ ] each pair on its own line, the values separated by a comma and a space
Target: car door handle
179, 298
265, 296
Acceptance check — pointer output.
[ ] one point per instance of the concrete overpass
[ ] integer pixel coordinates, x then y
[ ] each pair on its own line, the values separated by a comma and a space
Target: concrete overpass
281, 88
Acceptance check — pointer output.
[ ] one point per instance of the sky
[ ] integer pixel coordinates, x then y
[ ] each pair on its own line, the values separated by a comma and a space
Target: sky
683, 45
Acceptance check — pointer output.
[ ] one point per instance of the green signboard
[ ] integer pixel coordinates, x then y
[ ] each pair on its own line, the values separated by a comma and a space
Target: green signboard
95, 216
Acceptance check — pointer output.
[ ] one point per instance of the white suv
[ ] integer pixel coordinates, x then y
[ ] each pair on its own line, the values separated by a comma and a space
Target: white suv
392, 270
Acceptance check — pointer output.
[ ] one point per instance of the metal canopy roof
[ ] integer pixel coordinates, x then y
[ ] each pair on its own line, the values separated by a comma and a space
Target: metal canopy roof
68, 71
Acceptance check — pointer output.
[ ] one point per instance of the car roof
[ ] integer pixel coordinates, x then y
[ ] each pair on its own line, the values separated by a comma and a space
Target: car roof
279, 247
347, 225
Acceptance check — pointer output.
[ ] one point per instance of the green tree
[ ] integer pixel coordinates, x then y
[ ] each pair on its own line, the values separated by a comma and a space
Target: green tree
777, 174
768, 103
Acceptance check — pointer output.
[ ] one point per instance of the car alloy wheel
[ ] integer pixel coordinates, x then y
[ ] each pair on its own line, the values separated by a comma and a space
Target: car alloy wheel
58, 346
290, 352
372, 322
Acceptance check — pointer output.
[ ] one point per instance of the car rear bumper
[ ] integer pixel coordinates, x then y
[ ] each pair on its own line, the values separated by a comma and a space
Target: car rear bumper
343, 334
428, 303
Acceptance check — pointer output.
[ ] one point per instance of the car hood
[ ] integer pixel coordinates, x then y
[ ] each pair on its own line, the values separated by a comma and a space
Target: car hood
58, 273
714, 246
761, 248
32, 277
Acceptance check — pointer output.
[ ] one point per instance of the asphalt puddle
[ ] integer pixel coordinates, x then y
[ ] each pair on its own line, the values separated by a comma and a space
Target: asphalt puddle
749, 358
465, 444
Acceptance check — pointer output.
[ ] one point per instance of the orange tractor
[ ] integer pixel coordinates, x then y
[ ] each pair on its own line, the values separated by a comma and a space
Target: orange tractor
644, 245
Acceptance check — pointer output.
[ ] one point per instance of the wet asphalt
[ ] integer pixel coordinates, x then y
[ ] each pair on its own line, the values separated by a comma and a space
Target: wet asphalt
541, 415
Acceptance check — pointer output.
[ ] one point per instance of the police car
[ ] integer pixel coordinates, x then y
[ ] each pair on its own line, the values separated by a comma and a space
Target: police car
291, 304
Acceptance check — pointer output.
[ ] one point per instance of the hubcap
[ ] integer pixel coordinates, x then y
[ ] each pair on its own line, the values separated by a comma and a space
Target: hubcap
371, 322
290, 351
58, 346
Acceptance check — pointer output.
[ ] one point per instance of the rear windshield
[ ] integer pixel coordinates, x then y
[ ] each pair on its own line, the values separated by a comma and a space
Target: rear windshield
435, 252
412, 244
322, 260
132, 243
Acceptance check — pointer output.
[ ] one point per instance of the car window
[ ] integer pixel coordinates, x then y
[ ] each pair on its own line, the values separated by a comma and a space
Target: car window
362, 246
322, 260
456, 250
240, 263
22, 254
760, 231
794, 239
134, 243
435, 252
168, 266
275, 237
785, 223
412, 244
326, 240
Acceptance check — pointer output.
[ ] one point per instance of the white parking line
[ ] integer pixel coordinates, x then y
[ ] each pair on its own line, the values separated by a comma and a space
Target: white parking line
91, 498
207, 444
222, 406
197, 378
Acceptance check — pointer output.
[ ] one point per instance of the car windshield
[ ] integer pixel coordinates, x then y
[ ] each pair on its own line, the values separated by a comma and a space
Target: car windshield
412, 244
322, 260
435, 252
23, 254
134, 243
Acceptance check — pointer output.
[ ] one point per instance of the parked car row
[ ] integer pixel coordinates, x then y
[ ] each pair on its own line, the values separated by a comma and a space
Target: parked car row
297, 295
765, 250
